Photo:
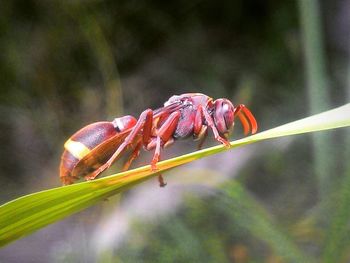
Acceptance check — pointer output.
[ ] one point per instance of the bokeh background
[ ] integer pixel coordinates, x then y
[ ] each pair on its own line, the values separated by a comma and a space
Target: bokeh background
64, 64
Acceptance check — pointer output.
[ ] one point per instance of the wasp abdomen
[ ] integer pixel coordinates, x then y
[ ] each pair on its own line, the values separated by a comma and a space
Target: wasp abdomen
81, 144
92, 135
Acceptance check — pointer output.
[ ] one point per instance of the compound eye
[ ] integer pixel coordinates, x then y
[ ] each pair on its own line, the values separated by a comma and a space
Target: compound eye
219, 116
228, 110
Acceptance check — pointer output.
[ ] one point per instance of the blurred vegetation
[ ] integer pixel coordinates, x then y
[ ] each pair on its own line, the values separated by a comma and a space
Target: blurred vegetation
64, 64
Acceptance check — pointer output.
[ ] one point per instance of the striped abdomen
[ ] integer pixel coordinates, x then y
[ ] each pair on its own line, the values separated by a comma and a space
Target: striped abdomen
92, 146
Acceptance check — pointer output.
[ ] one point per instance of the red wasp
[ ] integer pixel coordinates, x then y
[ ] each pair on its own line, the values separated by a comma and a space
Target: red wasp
97, 146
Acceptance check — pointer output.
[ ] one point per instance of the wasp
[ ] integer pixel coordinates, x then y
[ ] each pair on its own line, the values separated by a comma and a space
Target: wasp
95, 147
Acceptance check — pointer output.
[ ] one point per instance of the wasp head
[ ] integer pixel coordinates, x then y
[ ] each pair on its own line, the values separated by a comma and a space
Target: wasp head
223, 115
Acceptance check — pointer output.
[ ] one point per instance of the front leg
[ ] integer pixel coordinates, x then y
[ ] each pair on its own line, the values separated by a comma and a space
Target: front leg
211, 124
200, 130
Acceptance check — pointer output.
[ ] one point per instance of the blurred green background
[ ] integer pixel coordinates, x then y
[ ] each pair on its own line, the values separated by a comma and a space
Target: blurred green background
64, 64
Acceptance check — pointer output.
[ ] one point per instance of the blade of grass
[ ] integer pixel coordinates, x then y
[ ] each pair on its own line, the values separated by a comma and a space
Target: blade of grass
337, 235
337, 238
26, 214
250, 215
104, 56
318, 94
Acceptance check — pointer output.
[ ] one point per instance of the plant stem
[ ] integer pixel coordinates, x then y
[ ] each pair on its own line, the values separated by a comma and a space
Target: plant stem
317, 83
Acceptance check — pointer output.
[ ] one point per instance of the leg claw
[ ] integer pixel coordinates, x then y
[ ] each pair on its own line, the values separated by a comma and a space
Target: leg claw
154, 167
161, 181
225, 143
163, 184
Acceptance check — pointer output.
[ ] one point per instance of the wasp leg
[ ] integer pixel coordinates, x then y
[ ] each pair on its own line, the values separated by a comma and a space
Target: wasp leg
211, 124
156, 154
135, 153
202, 136
164, 135
200, 131
198, 122
132, 157
161, 181
145, 118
